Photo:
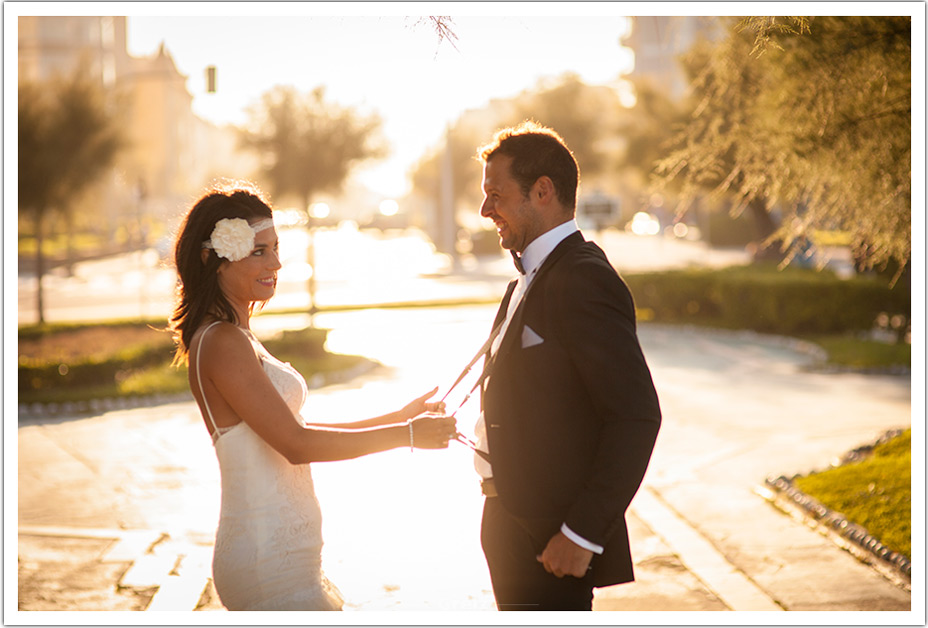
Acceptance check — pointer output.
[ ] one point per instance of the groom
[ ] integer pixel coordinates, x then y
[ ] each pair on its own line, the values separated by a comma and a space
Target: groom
569, 412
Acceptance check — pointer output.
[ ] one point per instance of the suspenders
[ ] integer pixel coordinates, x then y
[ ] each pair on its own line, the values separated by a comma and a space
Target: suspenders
484, 351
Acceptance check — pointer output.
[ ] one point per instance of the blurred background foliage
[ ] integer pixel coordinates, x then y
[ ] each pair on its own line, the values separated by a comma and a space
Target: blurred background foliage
70, 363
79, 362
800, 124
766, 299
808, 117
788, 134
69, 134
306, 144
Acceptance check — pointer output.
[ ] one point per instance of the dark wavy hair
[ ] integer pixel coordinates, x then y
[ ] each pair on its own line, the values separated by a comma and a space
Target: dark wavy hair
537, 151
198, 294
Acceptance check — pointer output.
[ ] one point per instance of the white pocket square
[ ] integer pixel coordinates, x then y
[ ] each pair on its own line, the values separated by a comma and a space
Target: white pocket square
530, 338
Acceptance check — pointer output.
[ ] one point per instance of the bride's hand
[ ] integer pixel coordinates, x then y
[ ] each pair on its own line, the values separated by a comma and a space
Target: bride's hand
433, 431
420, 405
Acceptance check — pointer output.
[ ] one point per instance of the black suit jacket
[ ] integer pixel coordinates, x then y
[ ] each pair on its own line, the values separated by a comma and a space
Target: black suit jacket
569, 404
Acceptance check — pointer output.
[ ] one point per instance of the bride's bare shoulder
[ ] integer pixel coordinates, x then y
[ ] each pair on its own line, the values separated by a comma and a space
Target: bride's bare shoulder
223, 341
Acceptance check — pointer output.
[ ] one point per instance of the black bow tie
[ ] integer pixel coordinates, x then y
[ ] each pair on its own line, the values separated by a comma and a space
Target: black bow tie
517, 261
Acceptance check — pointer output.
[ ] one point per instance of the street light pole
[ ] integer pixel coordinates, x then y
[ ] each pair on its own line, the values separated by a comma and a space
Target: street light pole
311, 261
447, 221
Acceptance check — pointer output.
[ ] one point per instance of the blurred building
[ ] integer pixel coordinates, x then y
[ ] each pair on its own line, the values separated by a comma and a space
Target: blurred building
169, 156
171, 153
58, 45
658, 41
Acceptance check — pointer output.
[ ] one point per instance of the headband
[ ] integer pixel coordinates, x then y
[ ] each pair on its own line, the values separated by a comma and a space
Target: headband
234, 238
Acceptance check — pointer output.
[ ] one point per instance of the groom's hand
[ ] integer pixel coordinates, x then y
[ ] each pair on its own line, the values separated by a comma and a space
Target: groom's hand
562, 557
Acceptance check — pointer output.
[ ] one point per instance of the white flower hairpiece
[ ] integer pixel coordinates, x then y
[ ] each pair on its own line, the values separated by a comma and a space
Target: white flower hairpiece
234, 238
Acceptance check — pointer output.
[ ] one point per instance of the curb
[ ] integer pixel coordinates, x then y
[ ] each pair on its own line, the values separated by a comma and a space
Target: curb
804, 347
781, 493
849, 536
834, 369
38, 410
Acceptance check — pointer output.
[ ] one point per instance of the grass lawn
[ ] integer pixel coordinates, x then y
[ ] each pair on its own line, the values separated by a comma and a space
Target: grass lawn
75, 363
875, 493
67, 350
848, 350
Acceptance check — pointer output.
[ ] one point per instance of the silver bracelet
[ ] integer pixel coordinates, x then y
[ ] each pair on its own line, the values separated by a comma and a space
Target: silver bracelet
412, 444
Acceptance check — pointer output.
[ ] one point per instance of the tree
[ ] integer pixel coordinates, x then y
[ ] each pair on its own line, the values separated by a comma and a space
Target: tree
584, 115
462, 140
724, 148
68, 137
647, 129
443, 26
307, 145
809, 117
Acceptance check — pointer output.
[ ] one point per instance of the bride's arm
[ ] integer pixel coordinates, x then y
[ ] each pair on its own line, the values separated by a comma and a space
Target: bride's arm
412, 409
231, 366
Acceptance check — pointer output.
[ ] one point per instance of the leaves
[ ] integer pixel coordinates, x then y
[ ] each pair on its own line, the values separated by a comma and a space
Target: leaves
810, 118
444, 29
586, 116
68, 139
764, 26
305, 144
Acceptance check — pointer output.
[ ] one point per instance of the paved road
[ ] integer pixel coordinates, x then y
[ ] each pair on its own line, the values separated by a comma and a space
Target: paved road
401, 528
353, 267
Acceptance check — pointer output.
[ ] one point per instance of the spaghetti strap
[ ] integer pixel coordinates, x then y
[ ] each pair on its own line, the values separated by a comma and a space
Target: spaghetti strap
200, 381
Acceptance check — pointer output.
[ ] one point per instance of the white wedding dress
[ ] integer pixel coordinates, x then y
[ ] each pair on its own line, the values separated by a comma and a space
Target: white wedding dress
268, 548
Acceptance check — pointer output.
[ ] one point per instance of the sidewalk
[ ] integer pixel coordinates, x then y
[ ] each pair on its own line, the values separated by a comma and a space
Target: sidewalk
86, 569
355, 269
79, 565
677, 569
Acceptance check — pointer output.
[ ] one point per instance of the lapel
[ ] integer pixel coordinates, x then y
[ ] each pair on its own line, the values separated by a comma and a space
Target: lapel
513, 332
500, 317
504, 304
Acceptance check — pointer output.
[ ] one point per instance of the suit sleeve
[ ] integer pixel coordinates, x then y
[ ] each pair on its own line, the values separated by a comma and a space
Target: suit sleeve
598, 319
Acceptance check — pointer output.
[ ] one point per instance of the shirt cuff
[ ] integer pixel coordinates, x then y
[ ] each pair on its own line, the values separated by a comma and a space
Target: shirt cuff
579, 540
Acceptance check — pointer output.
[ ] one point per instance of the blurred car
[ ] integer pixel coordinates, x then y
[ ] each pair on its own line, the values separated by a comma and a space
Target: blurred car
383, 222
644, 224
598, 211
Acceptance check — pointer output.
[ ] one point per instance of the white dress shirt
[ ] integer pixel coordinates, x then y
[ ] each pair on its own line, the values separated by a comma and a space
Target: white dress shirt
533, 257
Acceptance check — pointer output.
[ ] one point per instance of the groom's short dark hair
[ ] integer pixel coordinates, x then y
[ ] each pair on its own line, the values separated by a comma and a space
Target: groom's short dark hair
536, 151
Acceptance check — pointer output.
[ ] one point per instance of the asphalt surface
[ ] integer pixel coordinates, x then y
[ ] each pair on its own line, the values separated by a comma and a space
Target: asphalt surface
116, 511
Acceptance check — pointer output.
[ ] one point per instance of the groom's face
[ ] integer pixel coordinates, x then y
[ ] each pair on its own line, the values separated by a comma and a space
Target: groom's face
516, 218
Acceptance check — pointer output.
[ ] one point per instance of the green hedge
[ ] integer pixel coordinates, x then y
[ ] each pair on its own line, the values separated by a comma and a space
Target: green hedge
92, 368
757, 297
39, 376
307, 343
764, 299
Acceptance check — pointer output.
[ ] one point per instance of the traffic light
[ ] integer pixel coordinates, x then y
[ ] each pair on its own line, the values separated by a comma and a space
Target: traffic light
211, 79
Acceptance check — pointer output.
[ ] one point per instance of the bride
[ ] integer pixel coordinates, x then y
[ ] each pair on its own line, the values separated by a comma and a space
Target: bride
267, 554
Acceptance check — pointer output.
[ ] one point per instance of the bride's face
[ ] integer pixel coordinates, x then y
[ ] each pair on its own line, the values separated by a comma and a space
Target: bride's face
253, 278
